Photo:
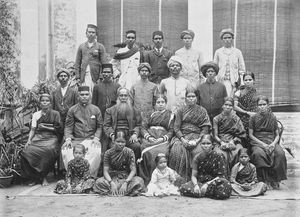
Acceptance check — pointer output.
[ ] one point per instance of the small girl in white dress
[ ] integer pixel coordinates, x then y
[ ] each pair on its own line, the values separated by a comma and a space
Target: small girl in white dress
162, 179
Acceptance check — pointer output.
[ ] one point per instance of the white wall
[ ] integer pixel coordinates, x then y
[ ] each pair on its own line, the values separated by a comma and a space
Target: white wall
29, 42
200, 20
86, 13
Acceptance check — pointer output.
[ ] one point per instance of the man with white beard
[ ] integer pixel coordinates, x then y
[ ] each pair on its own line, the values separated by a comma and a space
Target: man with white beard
123, 117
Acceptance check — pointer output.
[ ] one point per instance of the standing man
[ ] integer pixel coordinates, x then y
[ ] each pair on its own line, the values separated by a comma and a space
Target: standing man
64, 96
126, 61
230, 61
192, 59
105, 95
90, 56
123, 117
144, 91
158, 58
84, 126
211, 93
174, 87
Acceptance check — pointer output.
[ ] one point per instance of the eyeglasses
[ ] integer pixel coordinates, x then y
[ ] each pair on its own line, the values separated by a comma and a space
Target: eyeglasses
130, 37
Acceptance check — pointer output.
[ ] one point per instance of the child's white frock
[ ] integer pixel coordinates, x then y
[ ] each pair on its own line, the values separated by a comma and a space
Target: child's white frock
161, 183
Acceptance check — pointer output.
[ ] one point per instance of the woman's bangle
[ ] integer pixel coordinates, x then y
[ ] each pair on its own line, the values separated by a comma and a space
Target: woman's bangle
195, 185
110, 181
126, 181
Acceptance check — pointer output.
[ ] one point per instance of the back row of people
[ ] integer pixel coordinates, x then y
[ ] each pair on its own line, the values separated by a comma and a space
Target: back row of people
91, 55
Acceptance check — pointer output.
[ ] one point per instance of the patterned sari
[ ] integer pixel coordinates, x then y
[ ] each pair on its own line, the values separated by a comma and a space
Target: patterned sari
230, 128
271, 166
120, 165
158, 125
210, 166
247, 101
246, 174
190, 123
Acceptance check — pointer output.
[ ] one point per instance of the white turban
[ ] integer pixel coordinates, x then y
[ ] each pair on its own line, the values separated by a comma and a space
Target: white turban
175, 59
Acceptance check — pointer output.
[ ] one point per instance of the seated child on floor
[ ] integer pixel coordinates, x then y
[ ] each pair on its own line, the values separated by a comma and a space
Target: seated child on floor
162, 179
243, 177
78, 179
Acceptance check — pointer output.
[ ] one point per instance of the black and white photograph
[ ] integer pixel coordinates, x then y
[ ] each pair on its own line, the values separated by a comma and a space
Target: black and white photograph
149, 108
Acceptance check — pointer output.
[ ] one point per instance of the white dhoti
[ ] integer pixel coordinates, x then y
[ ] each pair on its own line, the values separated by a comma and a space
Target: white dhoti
93, 155
88, 81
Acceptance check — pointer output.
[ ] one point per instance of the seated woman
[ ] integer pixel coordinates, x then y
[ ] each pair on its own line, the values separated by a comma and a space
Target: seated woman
157, 131
78, 176
208, 174
229, 132
119, 171
41, 149
267, 155
245, 102
243, 177
191, 122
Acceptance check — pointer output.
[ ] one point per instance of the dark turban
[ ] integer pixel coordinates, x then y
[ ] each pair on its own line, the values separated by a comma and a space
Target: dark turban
107, 66
63, 71
142, 65
208, 65
160, 33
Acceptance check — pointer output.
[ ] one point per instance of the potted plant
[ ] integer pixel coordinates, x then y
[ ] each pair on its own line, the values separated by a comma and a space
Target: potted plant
9, 162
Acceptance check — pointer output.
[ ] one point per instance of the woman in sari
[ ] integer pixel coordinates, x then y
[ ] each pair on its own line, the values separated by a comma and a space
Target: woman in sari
191, 122
41, 149
208, 174
157, 132
267, 155
245, 101
119, 171
229, 133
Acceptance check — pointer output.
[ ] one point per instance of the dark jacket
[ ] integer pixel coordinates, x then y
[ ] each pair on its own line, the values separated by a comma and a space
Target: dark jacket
94, 56
158, 62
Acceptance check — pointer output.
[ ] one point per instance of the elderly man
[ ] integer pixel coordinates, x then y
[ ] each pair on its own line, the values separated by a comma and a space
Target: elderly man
84, 125
231, 62
192, 58
211, 93
90, 56
123, 117
158, 58
175, 86
105, 96
144, 91
126, 61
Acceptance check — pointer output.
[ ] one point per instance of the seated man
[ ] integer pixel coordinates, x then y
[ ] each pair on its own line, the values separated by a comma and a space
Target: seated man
84, 126
124, 117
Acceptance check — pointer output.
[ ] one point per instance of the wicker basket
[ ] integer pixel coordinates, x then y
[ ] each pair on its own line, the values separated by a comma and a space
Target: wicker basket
6, 181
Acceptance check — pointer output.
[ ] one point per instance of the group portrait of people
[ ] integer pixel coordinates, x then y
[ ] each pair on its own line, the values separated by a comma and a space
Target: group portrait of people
156, 123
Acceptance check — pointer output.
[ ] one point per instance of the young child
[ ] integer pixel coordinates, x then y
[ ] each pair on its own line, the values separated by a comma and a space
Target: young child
243, 177
78, 178
162, 179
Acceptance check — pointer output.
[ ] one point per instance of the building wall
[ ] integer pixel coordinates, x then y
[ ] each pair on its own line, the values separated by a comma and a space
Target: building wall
255, 28
115, 18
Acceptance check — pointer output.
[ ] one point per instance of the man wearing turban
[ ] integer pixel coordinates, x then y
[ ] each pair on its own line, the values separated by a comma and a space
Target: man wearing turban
144, 91
175, 86
231, 62
192, 58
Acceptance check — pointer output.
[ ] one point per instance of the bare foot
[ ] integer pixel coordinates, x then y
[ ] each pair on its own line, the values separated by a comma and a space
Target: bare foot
45, 182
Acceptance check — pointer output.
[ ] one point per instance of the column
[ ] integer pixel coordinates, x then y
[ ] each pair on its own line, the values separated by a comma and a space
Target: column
200, 20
